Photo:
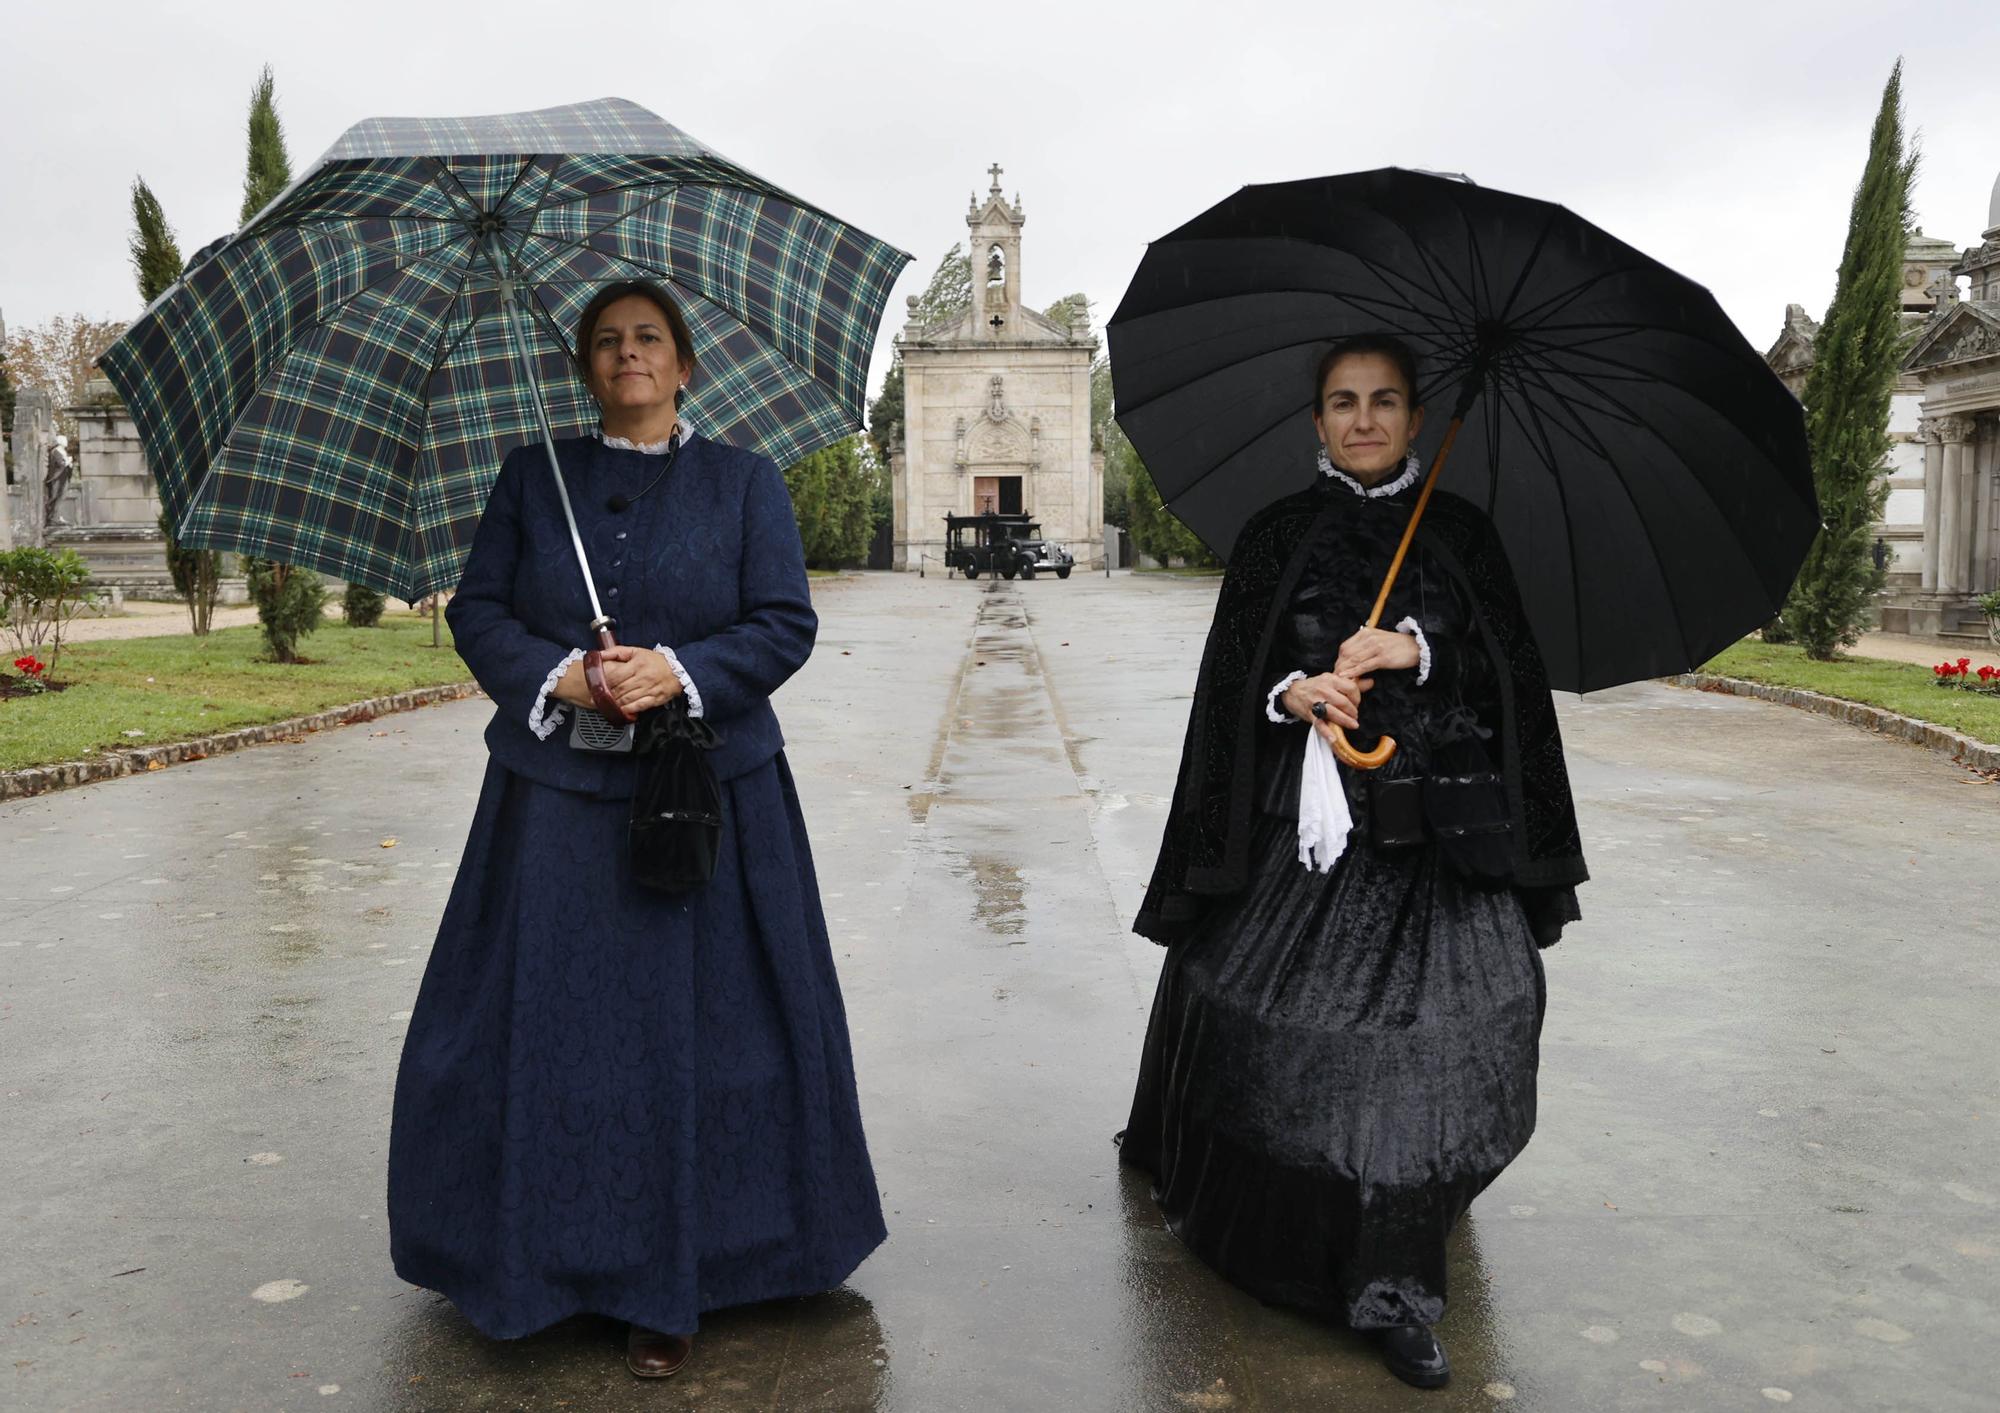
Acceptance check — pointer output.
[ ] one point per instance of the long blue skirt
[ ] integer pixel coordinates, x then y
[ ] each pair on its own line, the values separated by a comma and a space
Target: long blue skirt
630, 1103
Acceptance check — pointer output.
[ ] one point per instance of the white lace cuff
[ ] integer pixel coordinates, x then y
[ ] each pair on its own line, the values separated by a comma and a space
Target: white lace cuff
1271, 709
687, 682
547, 715
1409, 625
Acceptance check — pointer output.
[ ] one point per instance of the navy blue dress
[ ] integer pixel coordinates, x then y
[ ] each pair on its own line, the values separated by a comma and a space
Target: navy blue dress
613, 1100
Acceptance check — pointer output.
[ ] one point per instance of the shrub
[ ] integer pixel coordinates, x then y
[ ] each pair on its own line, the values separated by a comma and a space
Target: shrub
290, 602
363, 606
41, 591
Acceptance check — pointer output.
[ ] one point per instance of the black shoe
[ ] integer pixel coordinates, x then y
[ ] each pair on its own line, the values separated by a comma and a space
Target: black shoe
1414, 1355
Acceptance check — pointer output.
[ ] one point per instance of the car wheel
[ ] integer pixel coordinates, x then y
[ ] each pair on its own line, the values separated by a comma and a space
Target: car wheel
1063, 573
971, 570
1027, 571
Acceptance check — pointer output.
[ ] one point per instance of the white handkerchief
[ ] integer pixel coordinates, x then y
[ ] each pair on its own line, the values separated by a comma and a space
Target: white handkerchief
1324, 820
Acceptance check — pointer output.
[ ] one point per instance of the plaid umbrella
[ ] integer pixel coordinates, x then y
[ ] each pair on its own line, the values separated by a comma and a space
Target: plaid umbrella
336, 384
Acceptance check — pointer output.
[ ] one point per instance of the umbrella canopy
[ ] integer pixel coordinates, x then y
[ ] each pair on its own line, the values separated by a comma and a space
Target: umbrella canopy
1647, 472
336, 386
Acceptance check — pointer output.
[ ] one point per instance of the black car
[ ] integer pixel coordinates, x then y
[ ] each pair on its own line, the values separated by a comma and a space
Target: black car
1005, 546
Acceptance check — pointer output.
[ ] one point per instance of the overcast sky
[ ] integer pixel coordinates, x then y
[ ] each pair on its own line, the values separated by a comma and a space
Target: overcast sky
1725, 139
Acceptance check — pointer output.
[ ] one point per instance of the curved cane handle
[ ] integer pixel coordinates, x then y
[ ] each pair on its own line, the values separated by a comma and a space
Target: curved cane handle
600, 690
1374, 759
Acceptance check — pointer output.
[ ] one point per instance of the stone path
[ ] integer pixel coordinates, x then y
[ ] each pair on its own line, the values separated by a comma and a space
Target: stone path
1763, 1172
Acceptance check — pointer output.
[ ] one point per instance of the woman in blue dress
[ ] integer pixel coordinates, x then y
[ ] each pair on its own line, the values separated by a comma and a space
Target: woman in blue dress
615, 1100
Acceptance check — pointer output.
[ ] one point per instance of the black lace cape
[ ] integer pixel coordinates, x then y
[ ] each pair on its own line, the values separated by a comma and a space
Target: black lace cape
1204, 853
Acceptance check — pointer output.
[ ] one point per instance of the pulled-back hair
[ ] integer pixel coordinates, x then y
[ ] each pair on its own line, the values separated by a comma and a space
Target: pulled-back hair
586, 324
1385, 344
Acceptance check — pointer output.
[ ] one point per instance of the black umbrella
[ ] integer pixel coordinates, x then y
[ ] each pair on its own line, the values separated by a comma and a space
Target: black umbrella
1647, 472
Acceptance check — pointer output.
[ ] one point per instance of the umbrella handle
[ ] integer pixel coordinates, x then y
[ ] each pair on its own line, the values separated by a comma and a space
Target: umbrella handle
1350, 755
600, 690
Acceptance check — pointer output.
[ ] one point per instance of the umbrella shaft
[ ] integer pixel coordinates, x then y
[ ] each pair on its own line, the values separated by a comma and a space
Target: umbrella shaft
1416, 514
599, 623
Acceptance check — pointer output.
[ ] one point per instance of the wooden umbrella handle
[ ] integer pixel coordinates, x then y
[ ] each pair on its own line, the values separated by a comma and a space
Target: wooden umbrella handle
600, 690
1344, 750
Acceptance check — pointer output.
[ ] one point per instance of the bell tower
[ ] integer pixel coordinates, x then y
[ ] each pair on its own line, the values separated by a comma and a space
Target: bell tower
995, 247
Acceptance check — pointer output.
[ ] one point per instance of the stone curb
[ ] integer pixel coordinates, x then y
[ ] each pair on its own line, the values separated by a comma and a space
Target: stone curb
40, 779
1976, 755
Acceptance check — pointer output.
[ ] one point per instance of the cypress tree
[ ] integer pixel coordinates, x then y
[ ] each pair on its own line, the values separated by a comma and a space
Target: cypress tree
156, 264
288, 600
156, 255
270, 168
1856, 361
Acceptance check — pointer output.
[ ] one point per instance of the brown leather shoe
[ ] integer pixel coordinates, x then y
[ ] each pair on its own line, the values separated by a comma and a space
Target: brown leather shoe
652, 1355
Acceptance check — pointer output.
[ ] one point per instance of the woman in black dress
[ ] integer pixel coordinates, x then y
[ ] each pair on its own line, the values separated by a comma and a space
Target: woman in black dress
1343, 1045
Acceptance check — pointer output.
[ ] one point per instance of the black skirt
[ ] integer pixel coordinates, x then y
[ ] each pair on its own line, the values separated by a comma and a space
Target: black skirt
1337, 1064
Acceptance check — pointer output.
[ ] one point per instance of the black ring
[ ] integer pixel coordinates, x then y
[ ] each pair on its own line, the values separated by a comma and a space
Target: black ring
1319, 710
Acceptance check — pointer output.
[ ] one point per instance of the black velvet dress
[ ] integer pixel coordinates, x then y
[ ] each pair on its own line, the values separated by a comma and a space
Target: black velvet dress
1338, 1063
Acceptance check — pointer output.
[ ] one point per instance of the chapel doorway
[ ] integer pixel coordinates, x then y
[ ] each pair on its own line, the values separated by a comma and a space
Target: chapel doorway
992, 494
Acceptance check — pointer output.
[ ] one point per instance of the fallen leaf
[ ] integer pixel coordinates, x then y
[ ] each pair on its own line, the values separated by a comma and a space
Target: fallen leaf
155, 765
389, 843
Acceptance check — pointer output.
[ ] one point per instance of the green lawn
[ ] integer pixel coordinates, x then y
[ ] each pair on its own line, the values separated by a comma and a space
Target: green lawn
1900, 687
178, 687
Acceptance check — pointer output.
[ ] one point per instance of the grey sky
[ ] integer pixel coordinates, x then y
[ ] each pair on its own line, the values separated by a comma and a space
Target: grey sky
1724, 139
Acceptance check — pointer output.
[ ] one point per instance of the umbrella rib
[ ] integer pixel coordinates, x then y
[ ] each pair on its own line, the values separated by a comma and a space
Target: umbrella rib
439, 353
1477, 253
1423, 254
1638, 376
1614, 331
1443, 307
1157, 394
525, 168
534, 213
374, 285
1562, 299
446, 174
583, 243
1645, 426
1593, 400
1546, 456
1527, 267
637, 185
1631, 499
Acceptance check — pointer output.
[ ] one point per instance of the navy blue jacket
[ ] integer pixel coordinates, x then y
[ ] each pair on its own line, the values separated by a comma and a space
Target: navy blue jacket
708, 564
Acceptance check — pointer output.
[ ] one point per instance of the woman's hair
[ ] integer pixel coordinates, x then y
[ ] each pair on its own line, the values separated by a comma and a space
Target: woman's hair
1387, 345
586, 324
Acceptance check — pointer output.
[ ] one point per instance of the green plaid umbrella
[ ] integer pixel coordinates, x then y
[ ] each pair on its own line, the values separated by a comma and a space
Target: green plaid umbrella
336, 384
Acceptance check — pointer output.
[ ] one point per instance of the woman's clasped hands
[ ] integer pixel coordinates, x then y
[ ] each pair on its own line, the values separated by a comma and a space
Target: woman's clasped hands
639, 678
1368, 651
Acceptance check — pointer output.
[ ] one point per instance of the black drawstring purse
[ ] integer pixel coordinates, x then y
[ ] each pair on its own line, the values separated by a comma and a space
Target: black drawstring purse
676, 829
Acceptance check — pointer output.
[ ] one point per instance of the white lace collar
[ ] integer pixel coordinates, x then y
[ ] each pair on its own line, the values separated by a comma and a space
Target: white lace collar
1412, 468
681, 433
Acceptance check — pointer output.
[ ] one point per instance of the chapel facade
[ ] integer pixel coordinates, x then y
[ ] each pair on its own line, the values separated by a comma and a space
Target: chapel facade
996, 400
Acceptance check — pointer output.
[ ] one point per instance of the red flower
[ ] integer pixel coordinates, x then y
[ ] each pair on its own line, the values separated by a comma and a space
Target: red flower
1964, 663
31, 665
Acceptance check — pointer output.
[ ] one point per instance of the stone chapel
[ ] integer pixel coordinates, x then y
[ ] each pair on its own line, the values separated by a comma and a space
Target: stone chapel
996, 401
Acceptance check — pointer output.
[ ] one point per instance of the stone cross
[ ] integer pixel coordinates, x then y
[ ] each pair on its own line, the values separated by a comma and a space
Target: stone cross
994, 172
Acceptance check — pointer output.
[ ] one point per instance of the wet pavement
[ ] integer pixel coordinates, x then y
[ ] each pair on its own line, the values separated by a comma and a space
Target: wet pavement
1765, 1171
